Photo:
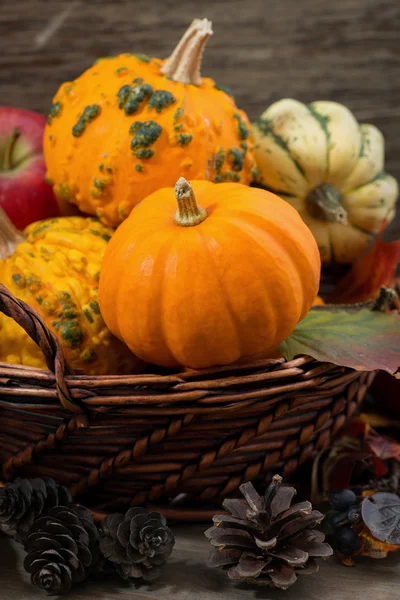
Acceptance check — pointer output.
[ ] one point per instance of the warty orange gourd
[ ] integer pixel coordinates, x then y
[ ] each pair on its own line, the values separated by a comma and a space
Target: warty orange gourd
132, 124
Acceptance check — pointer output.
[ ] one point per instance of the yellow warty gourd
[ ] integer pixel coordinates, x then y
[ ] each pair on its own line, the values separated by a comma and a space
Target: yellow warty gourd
54, 266
331, 169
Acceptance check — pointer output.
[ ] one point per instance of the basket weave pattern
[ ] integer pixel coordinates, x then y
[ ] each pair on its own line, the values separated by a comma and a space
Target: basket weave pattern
172, 440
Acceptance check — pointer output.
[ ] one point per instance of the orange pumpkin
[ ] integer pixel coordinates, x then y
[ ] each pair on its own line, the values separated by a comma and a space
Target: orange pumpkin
137, 123
209, 283
318, 301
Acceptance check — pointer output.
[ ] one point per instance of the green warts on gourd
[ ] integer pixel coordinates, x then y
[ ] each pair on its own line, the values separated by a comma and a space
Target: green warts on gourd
64, 191
67, 324
88, 115
144, 135
88, 355
94, 305
223, 88
160, 99
235, 158
183, 139
55, 111
104, 236
229, 176
92, 311
219, 160
132, 97
19, 280
144, 153
105, 168
145, 58
70, 331
100, 186
241, 126
178, 114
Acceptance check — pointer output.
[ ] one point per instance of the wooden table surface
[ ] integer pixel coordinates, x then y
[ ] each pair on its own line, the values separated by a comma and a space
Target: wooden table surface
347, 51
264, 50
186, 577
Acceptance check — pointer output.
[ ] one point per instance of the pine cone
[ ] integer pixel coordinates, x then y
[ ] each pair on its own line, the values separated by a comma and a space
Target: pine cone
24, 500
267, 541
62, 548
137, 543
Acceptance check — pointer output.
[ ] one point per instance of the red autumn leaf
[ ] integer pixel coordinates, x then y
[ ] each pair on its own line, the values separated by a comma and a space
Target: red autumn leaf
376, 268
382, 446
379, 466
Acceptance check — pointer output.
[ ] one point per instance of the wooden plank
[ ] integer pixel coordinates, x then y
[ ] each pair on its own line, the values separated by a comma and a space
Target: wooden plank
186, 577
264, 51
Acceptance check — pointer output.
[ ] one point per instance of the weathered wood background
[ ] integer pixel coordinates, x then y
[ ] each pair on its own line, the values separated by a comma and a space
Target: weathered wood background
347, 50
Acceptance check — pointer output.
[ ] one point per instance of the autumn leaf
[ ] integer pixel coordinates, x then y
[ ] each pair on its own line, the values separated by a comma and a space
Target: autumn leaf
373, 270
382, 446
363, 340
372, 547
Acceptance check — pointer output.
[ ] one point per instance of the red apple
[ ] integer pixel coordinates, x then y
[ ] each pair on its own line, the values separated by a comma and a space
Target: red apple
24, 194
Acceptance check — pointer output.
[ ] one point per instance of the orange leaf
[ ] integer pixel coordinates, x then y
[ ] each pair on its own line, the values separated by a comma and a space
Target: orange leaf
369, 273
372, 547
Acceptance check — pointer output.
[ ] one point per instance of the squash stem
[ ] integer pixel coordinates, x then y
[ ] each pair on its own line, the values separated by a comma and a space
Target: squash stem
324, 204
189, 213
10, 237
184, 63
7, 164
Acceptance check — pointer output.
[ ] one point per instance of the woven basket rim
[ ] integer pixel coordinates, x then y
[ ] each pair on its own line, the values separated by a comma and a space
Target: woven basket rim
181, 441
188, 385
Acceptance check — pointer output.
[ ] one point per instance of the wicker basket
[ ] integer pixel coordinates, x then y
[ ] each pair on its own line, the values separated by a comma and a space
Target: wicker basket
181, 442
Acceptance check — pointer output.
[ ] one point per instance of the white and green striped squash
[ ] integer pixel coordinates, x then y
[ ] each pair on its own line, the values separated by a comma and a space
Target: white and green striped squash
331, 169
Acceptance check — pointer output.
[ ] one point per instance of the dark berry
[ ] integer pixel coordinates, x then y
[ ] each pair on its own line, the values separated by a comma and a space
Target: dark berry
338, 519
342, 499
354, 514
347, 540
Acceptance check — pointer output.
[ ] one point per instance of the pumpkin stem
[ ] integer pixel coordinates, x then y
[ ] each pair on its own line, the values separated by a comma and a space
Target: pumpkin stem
189, 213
184, 63
323, 203
10, 237
7, 164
